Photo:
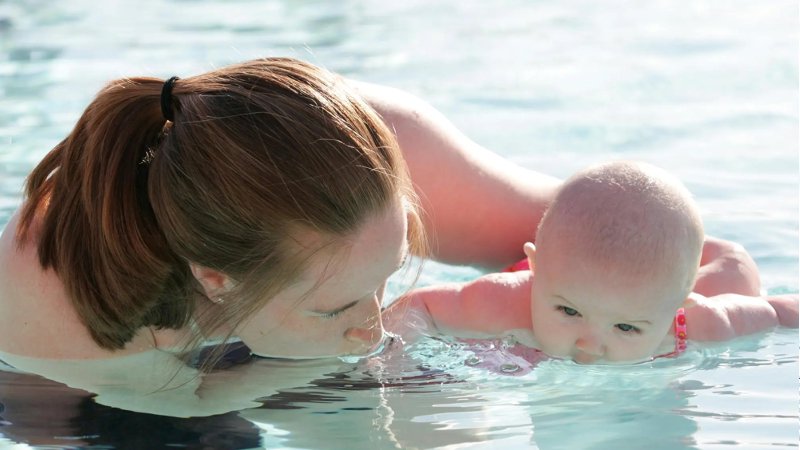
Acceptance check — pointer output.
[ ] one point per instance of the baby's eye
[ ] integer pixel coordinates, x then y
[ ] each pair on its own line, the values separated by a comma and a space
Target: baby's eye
624, 327
567, 310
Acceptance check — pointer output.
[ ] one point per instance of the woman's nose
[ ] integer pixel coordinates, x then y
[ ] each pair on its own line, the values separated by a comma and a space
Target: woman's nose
364, 336
370, 332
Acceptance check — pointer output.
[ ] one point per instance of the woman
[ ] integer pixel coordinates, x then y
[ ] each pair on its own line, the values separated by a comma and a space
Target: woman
269, 201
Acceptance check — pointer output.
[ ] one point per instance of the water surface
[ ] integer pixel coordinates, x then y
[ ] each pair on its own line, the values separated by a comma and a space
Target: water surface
708, 90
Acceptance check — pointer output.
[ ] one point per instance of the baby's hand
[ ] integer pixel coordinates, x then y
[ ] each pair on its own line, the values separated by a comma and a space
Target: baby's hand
786, 307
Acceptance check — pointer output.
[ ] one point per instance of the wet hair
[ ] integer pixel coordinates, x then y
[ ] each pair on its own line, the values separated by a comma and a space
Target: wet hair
635, 219
257, 153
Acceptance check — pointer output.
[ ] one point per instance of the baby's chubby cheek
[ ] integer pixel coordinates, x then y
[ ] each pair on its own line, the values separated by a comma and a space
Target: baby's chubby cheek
547, 341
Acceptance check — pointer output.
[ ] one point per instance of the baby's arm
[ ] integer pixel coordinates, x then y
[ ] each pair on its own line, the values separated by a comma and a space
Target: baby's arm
786, 307
727, 316
491, 306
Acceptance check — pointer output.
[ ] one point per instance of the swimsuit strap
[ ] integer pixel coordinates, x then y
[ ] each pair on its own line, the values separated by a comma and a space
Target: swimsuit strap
680, 331
679, 324
517, 266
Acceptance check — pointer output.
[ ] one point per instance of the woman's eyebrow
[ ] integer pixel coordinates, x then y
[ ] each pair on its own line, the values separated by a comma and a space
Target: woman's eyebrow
406, 255
334, 311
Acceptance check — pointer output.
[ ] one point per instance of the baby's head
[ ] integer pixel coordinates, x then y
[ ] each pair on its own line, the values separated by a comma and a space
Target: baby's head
616, 255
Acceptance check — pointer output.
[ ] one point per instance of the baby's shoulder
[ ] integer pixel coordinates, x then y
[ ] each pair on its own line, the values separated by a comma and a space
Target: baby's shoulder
503, 285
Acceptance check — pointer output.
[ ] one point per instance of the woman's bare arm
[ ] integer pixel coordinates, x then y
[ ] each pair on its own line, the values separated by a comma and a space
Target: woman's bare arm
480, 208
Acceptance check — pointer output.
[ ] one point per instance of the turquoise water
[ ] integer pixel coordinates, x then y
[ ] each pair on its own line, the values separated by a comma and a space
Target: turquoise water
708, 90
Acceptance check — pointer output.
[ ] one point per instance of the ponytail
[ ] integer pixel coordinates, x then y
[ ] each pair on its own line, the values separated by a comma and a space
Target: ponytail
100, 235
257, 152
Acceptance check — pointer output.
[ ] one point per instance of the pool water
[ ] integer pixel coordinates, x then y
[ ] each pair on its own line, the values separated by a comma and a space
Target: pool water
707, 90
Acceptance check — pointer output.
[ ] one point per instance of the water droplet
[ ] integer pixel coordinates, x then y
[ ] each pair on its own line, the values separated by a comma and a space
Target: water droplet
509, 368
473, 361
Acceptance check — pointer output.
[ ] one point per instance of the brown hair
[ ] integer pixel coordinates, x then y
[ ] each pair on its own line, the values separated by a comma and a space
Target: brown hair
256, 152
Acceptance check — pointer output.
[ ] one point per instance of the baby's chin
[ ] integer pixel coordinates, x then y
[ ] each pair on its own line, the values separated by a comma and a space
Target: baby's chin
606, 362
589, 359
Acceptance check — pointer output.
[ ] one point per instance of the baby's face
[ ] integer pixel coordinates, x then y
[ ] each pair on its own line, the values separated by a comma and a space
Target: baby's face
582, 313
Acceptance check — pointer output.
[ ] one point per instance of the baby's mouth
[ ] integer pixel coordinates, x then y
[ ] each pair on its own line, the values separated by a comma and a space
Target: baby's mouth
586, 359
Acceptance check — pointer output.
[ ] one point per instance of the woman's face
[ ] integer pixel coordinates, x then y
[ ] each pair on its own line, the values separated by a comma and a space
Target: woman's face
334, 309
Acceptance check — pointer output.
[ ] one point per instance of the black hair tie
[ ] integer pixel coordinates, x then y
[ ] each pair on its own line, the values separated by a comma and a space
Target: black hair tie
166, 98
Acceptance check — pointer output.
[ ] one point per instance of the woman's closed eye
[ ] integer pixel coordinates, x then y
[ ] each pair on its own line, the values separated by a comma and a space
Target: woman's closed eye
336, 312
567, 310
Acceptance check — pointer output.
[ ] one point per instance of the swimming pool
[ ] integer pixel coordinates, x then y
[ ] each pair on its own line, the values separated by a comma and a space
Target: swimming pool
708, 90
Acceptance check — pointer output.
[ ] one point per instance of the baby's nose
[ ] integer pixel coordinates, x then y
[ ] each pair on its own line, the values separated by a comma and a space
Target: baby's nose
590, 344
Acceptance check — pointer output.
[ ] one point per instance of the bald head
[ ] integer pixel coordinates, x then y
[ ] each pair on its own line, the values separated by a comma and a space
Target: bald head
634, 219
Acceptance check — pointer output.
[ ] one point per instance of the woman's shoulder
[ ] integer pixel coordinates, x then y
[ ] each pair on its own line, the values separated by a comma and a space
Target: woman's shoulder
37, 318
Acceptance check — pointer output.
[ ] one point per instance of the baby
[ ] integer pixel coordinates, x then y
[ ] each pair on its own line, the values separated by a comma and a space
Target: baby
617, 256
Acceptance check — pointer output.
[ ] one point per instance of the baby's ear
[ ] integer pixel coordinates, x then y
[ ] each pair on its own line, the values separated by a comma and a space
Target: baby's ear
530, 252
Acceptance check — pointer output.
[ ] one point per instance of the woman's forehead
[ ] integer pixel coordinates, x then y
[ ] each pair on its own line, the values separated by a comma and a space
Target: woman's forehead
363, 260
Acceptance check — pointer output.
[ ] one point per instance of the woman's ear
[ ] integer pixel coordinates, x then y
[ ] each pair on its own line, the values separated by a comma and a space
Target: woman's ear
530, 252
215, 283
